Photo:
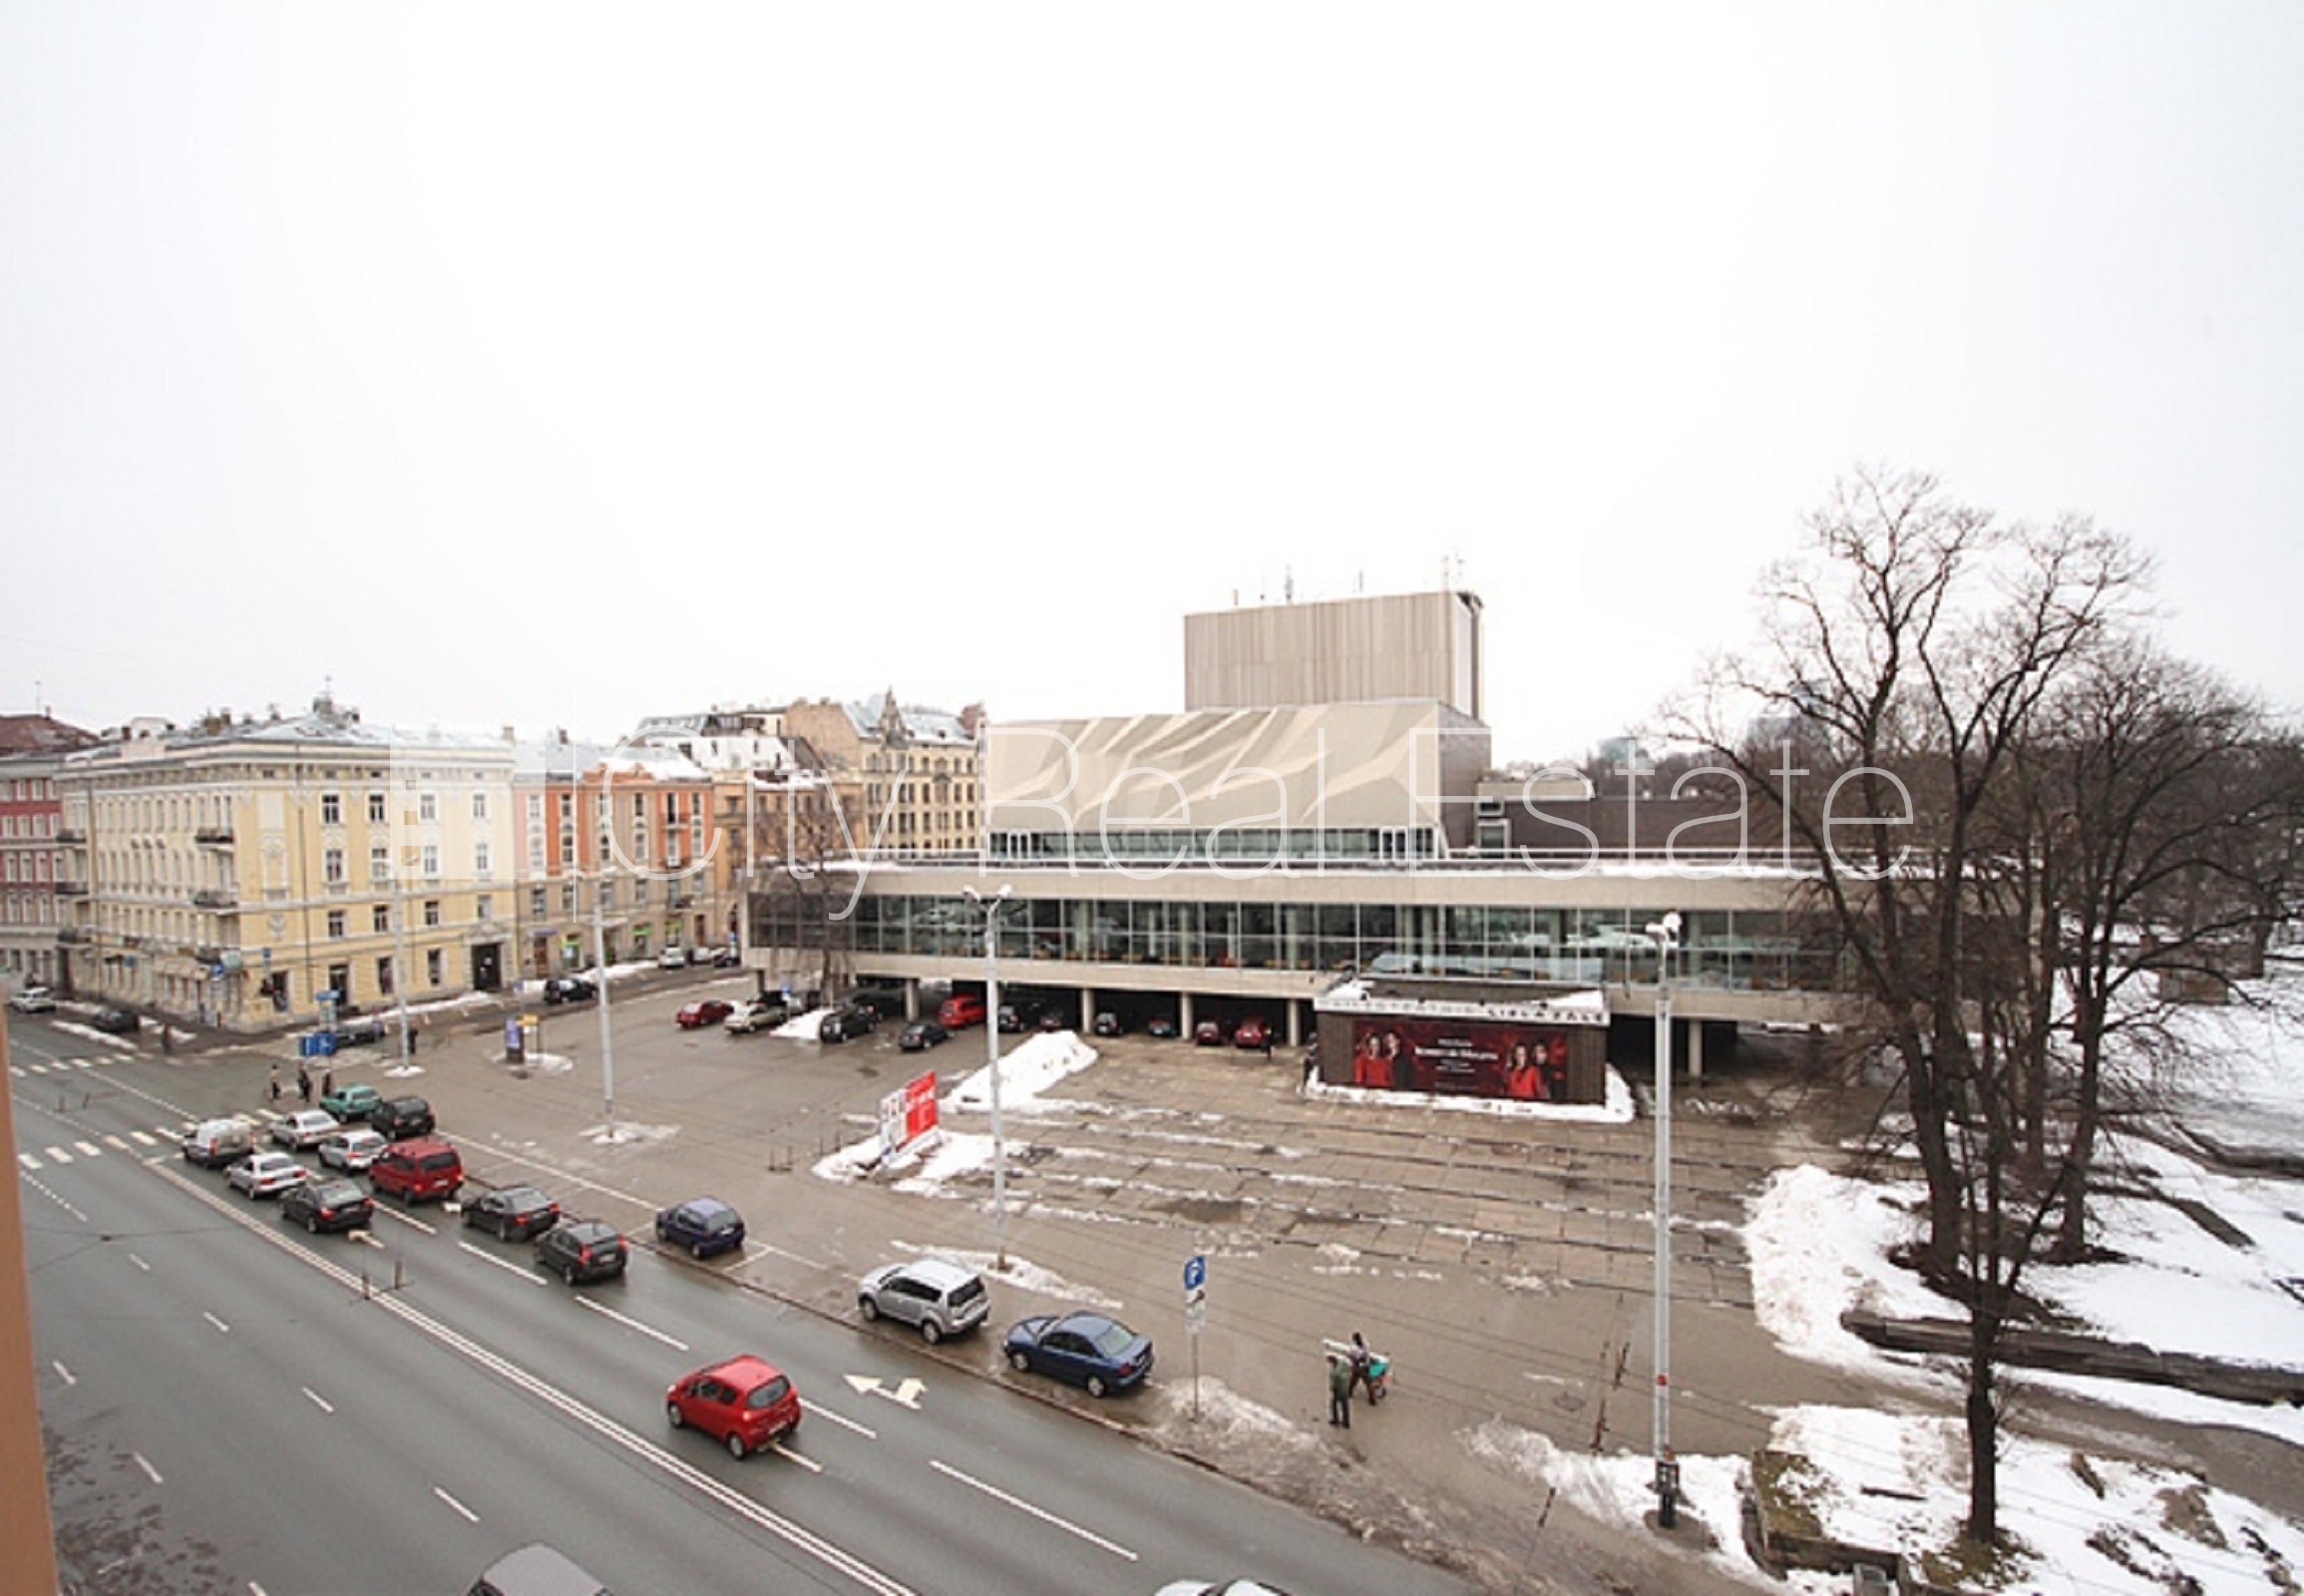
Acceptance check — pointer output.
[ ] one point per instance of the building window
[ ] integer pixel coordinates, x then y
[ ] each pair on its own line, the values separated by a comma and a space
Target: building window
432, 965
427, 807
384, 975
607, 894
432, 911
536, 902
380, 862
375, 809
332, 866
335, 925
479, 804
480, 860
483, 908
332, 809
568, 897
432, 861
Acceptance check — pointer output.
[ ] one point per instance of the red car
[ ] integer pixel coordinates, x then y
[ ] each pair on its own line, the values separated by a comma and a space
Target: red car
745, 1403
711, 1012
1253, 1034
1207, 1033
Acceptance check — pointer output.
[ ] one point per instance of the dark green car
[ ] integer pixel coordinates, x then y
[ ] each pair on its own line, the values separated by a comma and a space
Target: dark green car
351, 1103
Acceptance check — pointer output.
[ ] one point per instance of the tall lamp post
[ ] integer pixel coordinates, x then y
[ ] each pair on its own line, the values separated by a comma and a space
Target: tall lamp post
601, 1004
1666, 931
991, 908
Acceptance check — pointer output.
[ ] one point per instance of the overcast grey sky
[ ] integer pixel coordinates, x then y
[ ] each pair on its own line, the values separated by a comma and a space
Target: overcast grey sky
554, 366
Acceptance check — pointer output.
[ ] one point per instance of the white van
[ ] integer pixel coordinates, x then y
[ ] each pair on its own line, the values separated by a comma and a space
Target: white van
212, 1143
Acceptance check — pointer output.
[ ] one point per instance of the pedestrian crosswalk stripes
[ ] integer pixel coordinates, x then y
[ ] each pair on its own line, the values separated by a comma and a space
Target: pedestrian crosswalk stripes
57, 1155
30, 1162
143, 1140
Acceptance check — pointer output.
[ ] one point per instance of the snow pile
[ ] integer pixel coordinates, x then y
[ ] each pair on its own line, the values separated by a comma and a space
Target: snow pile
1026, 1071
1818, 1244
803, 1027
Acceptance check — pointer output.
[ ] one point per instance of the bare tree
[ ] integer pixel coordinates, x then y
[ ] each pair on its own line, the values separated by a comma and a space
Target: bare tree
1902, 659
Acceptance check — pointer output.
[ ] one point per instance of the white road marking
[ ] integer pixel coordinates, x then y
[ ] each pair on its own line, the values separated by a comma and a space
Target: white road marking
673, 1342
255, 1589
81, 1064
394, 1213
89, 1149
62, 1373
116, 1142
791, 1456
142, 1139
486, 1257
214, 1320
17, 1070
318, 1401
1017, 1502
841, 1420
145, 1463
30, 1162
140, 1263
468, 1514
905, 1395
57, 1155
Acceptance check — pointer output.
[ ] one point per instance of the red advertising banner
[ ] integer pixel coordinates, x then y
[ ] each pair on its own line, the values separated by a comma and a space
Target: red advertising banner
918, 1107
1462, 1058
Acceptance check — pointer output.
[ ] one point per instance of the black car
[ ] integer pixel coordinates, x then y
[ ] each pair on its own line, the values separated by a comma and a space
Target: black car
515, 1213
921, 1035
398, 1118
704, 1225
569, 990
1108, 1023
582, 1248
363, 1032
319, 1205
115, 1021
1018, 1017
847, 1022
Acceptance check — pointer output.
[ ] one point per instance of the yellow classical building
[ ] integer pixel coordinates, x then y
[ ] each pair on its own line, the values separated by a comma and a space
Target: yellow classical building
251, 874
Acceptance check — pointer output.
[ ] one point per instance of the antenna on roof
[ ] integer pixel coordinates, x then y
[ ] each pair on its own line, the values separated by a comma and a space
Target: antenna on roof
1288, 585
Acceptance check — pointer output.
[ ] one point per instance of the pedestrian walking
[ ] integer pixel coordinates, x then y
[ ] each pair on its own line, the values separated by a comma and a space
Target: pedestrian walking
304, 1085
274, 1083
328, 1083
1360, 1362
1340, 1392
167, 1038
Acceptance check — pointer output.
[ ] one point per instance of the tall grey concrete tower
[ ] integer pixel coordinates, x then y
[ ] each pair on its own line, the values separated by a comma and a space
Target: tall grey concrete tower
1422, 645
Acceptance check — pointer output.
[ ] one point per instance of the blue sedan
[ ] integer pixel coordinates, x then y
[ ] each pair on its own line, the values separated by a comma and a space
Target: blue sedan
704, 1226
1088, 1349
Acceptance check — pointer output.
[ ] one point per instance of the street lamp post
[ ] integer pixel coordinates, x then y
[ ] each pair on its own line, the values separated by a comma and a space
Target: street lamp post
992, 907
1666, 931
600, 1002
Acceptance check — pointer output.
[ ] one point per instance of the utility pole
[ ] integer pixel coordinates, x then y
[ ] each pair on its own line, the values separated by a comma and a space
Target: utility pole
1667, 935
992, 907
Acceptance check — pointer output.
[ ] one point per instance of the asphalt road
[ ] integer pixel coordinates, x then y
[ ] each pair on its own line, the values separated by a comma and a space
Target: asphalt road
234, 1405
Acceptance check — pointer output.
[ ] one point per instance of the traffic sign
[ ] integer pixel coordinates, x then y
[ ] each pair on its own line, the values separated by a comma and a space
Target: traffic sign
1194, 1272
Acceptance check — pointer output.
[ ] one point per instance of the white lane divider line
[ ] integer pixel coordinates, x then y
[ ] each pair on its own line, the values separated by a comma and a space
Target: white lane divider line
394, 1213
222, 1327
506, 1264
673, 1342
62, 1373
791, 1456
1041, 1514
841, 1420
145, 1463
470, 1517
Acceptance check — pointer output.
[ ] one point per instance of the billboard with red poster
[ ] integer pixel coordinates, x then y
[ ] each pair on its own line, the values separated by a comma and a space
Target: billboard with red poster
1466, 1058
908, 1113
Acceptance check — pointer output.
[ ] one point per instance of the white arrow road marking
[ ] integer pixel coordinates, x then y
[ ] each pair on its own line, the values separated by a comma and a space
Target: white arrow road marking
632, 1324
1017, 1502
905, 1395
468, 1514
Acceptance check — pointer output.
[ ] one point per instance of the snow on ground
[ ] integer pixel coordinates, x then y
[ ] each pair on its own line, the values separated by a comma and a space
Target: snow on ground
1615, 1110
1027, 1070
1020, 1273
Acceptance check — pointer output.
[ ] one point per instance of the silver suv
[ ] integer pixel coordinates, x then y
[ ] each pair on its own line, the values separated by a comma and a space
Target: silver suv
939, 1296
